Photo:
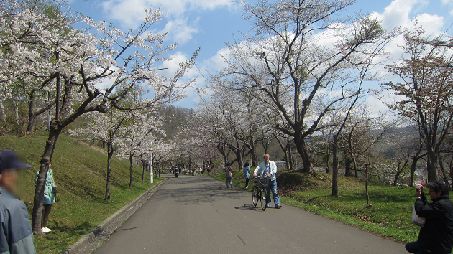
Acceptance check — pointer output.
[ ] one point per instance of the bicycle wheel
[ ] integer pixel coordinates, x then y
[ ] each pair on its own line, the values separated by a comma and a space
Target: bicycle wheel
255, 197
263, 200
260, 198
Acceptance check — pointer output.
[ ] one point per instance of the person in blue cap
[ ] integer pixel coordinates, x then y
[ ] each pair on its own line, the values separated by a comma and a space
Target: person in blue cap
16, 235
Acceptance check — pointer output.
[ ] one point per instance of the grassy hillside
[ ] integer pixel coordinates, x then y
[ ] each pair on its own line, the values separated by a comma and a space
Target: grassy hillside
389, 215
79, 173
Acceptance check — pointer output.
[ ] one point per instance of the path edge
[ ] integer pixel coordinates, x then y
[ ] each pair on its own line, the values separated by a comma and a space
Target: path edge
93, 240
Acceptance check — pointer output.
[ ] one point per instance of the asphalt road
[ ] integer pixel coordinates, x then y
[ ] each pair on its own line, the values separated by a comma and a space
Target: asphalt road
197, 215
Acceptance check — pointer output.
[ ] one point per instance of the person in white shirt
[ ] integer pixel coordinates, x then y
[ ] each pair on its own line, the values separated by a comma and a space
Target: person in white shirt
268, 168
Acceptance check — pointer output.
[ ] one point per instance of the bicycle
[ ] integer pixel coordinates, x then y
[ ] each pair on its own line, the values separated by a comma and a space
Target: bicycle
259, 192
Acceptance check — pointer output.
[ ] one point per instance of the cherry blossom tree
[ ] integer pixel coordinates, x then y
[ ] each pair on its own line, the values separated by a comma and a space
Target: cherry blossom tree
91, 68
286, 62
25, 62
108, 129
140, 138
426, 85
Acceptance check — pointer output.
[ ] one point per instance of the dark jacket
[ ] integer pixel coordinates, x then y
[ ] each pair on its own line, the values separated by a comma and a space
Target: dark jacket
436, 236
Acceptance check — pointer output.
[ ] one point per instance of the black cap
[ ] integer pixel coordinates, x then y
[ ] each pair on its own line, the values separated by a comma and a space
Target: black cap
10, 161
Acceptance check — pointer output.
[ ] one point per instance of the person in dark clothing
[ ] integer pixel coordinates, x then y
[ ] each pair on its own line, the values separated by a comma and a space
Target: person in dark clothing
436, 235
246, 174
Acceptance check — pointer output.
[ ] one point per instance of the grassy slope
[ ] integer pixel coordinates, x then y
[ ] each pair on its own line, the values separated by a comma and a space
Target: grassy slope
79, 173
389, 216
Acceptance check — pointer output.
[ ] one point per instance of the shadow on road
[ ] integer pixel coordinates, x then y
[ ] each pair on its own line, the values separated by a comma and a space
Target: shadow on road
248, 207
195, 190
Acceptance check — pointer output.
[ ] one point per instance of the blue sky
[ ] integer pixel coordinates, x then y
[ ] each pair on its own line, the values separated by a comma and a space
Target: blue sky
210, 24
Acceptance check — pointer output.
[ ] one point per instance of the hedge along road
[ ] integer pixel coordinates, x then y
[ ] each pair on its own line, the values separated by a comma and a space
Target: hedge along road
197, 215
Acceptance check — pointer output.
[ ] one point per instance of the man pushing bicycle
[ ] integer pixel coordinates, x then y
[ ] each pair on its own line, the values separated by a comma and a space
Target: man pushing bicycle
268, 169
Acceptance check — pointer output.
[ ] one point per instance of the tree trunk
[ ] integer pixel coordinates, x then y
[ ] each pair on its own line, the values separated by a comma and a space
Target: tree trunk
327, 159
444, 172
151, 168
239, 157
160, 169
451, 172
302, 150
367, 194
399, 171
17, 117
354, 163
290, 157
46, 158
131, 170
143, 170
286, 148
31, 115
49, 112
31, 124
287, 159
335, 167
431, 165
225, 160
253, 155
347, 167
2, 112
351, 151
413, 169
108, 175
265, 143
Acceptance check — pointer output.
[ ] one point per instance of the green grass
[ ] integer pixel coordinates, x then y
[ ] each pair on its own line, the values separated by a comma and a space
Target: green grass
389, 216
79, 171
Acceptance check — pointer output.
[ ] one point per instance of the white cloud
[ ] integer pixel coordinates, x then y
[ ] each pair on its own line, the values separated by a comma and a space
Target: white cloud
171, 65
129, 13
407, 14
180, 30
377, 104
173, 7
191, 94
400, 13
432, 24
217, 62
397, 13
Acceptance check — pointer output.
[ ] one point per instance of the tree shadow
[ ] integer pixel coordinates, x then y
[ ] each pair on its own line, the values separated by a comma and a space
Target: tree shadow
128, 229
80, 229
376, 197
195, 190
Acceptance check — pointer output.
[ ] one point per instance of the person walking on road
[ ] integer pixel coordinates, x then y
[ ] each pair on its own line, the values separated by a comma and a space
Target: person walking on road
246, 173
50, 192
268, 168
229, 177
16, 236
436, 235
